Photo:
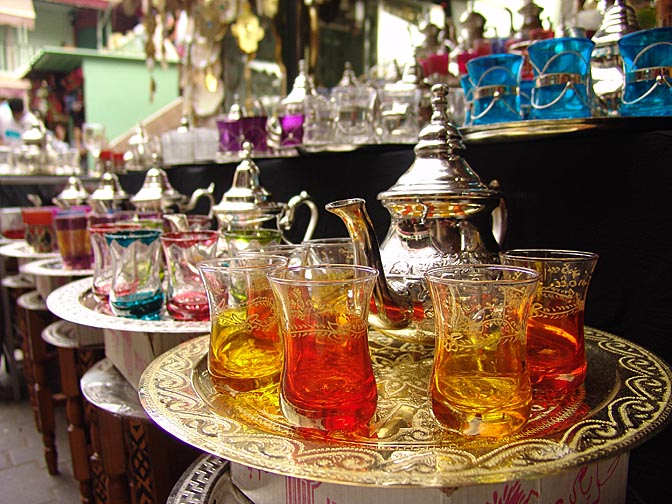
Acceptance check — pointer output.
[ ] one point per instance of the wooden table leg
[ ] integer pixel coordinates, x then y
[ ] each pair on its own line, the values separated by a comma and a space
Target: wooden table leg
42, 362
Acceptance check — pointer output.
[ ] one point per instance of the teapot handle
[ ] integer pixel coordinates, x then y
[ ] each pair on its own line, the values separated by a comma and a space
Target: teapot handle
207, 193
500, 216
287, 219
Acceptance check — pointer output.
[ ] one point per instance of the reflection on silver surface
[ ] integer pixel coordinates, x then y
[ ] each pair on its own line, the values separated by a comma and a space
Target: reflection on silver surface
625, 400
104, 387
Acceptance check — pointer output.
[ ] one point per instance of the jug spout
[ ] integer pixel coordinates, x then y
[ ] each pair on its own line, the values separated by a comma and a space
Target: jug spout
390, 310
202, 193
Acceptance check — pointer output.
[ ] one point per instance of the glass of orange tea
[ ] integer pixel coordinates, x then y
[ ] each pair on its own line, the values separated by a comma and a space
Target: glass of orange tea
480, 385
245, 351
555, 343
327, 378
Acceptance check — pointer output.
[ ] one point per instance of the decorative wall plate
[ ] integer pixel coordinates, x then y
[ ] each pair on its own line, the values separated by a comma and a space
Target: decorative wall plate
75, 303
626, 399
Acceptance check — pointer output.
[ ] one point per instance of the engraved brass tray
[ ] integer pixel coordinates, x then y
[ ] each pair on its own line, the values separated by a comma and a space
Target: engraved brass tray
625, 400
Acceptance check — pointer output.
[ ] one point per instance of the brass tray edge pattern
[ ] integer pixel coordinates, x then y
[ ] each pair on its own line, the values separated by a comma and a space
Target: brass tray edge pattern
640, 410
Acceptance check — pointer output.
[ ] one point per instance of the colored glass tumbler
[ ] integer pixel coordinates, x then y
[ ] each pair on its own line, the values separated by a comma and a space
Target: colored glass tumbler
135, 291
562, 87
186, 298
647, 61
74, 243
495, 79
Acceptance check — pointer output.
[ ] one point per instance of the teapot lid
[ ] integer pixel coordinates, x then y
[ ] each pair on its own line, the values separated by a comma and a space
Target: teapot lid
619, 19
246, 193
349, 78
302, 87
439, 172
74, 190
156, 187
109, 189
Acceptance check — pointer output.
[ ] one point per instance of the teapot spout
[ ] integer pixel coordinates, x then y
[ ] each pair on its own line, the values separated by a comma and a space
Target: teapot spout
391, 311
202, 193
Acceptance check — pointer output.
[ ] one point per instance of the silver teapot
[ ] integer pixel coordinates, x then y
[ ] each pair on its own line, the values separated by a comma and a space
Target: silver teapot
158, 195
441, 214
74, 193
247, 205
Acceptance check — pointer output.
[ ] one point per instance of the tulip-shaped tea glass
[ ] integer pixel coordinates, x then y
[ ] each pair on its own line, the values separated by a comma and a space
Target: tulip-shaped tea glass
73, 240
480, 386
102, 261
251, 240
555, 346
135, 291
327, 377
186, 298
245, 351
328, 251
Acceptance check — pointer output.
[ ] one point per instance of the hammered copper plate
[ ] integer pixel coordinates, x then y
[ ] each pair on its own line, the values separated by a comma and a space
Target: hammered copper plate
625, 400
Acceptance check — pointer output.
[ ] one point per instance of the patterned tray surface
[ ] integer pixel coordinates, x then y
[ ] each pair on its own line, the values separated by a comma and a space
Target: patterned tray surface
625, 400
52, 267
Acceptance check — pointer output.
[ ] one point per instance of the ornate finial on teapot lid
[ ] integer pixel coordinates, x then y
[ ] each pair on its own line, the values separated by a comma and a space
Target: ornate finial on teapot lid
302, 86
246, 189
439, 170
348, 79
619, 19
74, 193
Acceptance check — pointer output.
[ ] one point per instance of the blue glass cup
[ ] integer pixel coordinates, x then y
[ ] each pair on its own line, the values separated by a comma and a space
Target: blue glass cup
468, 89
647, 61
136, 285
495, 79
562, 87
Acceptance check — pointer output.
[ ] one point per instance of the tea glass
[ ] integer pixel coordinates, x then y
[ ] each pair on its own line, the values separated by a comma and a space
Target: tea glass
479, 385
11, 223
102, 261
251, 240
647, 59
556, 352
135, 291
496, 81
327, 377
74, 243
318, 125
186, 297
398, 110
328, 251
245, 352
354, 110
562, 86
39, 230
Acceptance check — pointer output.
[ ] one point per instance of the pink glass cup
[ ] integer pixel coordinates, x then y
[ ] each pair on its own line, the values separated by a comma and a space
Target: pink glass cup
186, 297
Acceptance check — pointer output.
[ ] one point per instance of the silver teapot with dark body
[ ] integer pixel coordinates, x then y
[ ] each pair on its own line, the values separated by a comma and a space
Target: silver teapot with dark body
441, 214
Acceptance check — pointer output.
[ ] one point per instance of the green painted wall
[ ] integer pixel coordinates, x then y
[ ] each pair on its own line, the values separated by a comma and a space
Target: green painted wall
116, 91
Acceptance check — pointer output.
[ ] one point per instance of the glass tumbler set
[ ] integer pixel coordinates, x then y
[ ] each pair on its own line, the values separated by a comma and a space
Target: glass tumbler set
562, 85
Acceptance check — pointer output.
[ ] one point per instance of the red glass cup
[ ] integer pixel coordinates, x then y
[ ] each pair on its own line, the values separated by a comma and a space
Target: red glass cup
327, 378
556, 351
39, 228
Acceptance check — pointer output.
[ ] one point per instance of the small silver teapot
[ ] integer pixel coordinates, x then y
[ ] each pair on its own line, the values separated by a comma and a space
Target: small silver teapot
247, 205
158, 195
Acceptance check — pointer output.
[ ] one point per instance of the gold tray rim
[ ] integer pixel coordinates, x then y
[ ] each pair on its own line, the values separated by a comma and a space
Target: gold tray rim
168, 396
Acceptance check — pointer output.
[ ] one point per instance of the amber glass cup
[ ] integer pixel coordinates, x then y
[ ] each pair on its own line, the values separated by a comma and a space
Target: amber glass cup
327, 377
245, 351
555, 342
480, 386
